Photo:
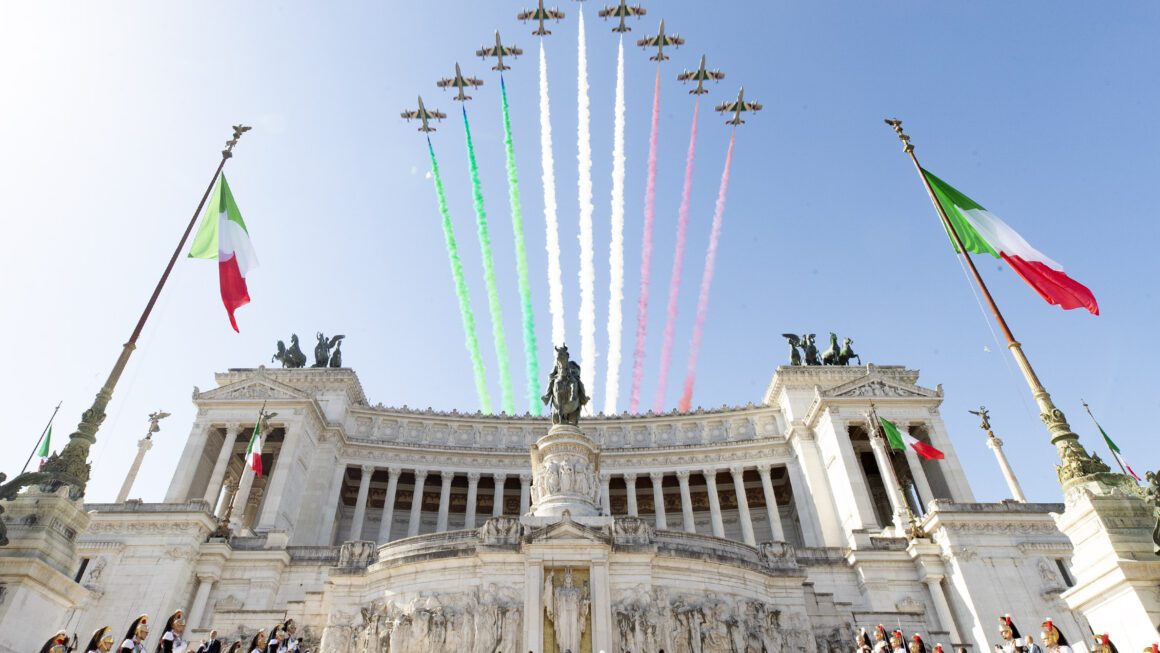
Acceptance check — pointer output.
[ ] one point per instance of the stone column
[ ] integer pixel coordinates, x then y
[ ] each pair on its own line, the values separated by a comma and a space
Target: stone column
714, 502
686, 502
775, 528
534, 606
803, 504
996, 445
601, 606
213, 490
738, 474
893, 489
921, 485
659, 499
605, 498
231, 490
416, 503
388, 517
277, 487
630, 492
241, 501
186, 467
497, 501
360, 504
942, 607
204, 585
249, 516
472, 492
444, 501
143, 445
525, 493
326, 533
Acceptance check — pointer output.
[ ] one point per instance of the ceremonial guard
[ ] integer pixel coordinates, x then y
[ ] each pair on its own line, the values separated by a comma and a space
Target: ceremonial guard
937, 648
1009, 632
58, 643
916, 644
881, 645
258, 643
862, 642
1054, 641
135, 637
290, 640
171, 637
101, 641
896, 642
1104, 644
1154, 648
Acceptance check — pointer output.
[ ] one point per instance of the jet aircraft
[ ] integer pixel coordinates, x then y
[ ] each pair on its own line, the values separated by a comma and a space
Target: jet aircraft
622, 11
737, 107
459, 82
540, 14
699, 76
659, 42
499, 51
424, 114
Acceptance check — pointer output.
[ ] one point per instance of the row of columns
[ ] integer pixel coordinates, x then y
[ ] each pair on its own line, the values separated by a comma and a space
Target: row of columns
776, 530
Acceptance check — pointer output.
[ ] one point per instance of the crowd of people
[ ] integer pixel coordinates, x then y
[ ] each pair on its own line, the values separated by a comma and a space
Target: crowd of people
282, 638
1052, 638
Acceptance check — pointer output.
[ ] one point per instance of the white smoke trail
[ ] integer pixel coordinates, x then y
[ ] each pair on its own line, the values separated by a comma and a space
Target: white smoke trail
616, 251
584, 183
555, 284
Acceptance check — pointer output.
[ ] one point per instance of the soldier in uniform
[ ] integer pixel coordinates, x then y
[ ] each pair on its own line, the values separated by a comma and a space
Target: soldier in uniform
881, 645
58, 643
290, 643
896, 642
1054, 641
1012, 640
916, 644
137, 634
1104, 644
171, 636
258, 643
101, 641
862, 642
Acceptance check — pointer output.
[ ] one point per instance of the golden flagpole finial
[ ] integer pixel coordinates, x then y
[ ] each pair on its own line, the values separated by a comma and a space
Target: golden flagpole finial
896, 125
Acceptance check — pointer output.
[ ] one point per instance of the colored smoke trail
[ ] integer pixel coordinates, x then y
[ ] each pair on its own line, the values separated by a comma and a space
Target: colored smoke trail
551, 224
501, 353
650, 196
616, 248
584, 184
526, 312
460, 287
707, 280
678, 262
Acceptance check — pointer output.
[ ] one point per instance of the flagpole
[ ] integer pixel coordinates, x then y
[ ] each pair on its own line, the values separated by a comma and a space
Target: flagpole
37, 447
1076, 463
71, 466
1089, 412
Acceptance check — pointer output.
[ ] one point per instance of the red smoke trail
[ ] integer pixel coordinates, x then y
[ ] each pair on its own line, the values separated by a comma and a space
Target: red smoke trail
650, 196
678, 262
707, 280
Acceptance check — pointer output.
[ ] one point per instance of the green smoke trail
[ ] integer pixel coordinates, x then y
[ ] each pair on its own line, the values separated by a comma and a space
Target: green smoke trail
501, 353
529, 318
460, 287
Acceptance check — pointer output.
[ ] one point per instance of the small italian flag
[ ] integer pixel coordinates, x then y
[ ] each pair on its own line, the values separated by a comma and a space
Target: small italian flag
1116, 451
982, 232
254, 450
899, 440
222, 236
42, 452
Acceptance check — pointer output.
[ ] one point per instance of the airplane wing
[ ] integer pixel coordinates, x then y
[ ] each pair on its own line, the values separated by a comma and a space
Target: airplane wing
674, 40
753, 106
607, 12
637, 10
555, 14
445, 82
526, 15
649, 42
436, 114
473, 81
512, 51
486, 52
716, 74
728, 106
410, 115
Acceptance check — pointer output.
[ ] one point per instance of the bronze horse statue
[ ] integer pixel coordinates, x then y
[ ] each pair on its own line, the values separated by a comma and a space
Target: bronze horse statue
565, 394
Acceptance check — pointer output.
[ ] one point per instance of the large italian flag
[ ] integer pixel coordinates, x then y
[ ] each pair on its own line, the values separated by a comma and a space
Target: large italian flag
899, 440
982, 232
223, 236
254, 450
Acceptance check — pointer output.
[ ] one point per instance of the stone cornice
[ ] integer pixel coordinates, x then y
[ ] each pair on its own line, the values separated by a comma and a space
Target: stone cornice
309, 380
829, 376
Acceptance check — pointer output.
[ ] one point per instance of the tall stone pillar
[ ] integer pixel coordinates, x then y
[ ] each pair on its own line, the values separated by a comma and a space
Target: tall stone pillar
942, 607
659, 499
214, 488
776, 531
227, 499
472, 498
738, 474
525, 493
497, 496
605, 496
534, 607
360, 504
893, 489
278, 488
813, 533
444, 501
186, 467
241, 502
330, 509
416, 503
200, 598
388, 517
687, 520
143, 445
601, 606
714, 502
921, 485
630, 492
996, 445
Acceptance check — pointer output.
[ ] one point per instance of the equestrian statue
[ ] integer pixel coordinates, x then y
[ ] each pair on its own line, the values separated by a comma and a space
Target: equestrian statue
565, 394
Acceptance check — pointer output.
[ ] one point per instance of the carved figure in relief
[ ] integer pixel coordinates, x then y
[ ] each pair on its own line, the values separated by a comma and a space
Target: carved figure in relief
565, 393
567, 608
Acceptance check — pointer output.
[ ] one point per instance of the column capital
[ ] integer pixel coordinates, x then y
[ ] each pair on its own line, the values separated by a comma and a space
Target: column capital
710, 475
683, 475
656, 477
737, 471
932, 579
605, 477
232, 429
525, 477
420, 474
629, 477
368, 469
395, 470
207, 577
499, 478
447, 476
145, 443
473, 477
764, 469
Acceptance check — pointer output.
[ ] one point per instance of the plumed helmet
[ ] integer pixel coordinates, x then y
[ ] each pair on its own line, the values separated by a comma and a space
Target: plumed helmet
1049, 627
139, 622
99, 634
917, 639
59, 641
1006, 622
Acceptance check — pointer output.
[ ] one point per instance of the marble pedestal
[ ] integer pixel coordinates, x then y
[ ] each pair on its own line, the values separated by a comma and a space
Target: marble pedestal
565, 463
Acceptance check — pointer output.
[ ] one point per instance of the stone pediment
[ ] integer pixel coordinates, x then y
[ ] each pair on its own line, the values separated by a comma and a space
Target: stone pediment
257, 387
568, 530
877, 386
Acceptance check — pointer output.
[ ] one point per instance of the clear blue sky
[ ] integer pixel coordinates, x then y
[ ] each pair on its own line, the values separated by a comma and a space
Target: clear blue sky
113, 117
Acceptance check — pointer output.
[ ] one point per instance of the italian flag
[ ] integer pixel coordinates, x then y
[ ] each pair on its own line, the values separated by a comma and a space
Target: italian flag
223, 236
899, 440
982, 232
254, 450
42, 452
1116, 451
